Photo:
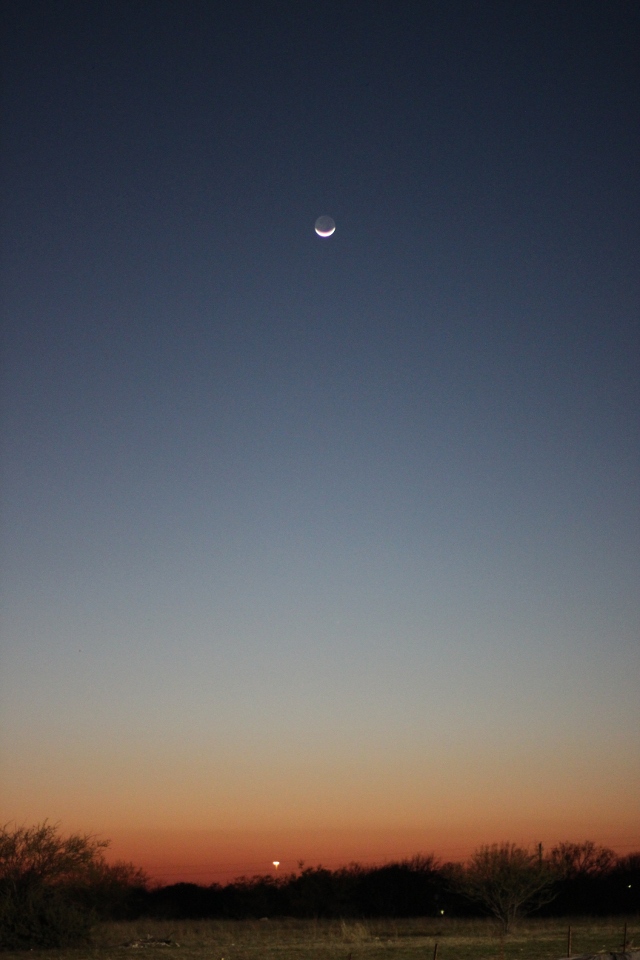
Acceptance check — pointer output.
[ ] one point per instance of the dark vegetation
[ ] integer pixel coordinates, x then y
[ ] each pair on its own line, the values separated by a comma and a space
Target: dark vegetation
54, 889
502, 881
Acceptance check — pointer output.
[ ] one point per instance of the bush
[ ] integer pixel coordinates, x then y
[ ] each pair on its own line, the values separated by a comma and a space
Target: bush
52, 888
37, 915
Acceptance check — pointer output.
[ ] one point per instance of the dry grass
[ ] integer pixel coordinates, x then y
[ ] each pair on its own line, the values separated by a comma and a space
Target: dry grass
344, 940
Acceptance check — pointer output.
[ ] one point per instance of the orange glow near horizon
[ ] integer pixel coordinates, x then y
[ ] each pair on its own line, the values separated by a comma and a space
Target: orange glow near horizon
369, 802
340, 800
205, 857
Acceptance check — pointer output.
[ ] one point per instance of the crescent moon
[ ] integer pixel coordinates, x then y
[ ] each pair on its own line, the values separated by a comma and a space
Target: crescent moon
325, 226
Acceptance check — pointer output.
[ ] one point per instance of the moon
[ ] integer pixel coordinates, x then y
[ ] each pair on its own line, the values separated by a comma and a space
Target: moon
325, 226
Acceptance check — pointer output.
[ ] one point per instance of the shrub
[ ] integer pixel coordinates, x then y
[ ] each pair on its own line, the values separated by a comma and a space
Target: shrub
52, 888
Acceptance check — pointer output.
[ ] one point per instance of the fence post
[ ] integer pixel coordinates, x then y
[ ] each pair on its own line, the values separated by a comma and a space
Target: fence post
569, 941
435, 951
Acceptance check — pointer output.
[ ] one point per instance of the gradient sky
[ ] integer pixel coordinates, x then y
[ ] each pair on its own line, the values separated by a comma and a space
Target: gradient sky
320, 549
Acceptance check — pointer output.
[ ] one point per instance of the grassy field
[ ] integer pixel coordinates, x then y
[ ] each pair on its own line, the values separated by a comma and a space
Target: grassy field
346, 940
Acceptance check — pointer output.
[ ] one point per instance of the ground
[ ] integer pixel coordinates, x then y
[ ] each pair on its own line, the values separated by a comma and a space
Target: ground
347, 940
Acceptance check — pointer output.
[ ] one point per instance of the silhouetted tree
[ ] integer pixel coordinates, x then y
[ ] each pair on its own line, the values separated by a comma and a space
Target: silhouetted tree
318, 892
584, 871
507, 881
582, 859
50, 885
578, 878
404, 889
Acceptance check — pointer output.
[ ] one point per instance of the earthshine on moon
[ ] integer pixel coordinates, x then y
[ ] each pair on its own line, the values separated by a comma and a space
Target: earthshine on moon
325, 226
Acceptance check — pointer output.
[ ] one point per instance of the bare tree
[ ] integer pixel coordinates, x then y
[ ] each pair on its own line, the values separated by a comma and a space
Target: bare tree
30, 854
52, 887
582, 859
507, 881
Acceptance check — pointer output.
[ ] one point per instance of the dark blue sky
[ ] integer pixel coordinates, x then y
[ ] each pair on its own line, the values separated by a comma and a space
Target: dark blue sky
404, 455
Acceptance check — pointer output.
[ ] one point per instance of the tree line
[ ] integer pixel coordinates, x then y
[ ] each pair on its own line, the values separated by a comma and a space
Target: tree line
54, 889
503, 880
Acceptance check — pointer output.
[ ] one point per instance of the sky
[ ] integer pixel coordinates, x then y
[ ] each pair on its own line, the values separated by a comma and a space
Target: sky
316, 549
